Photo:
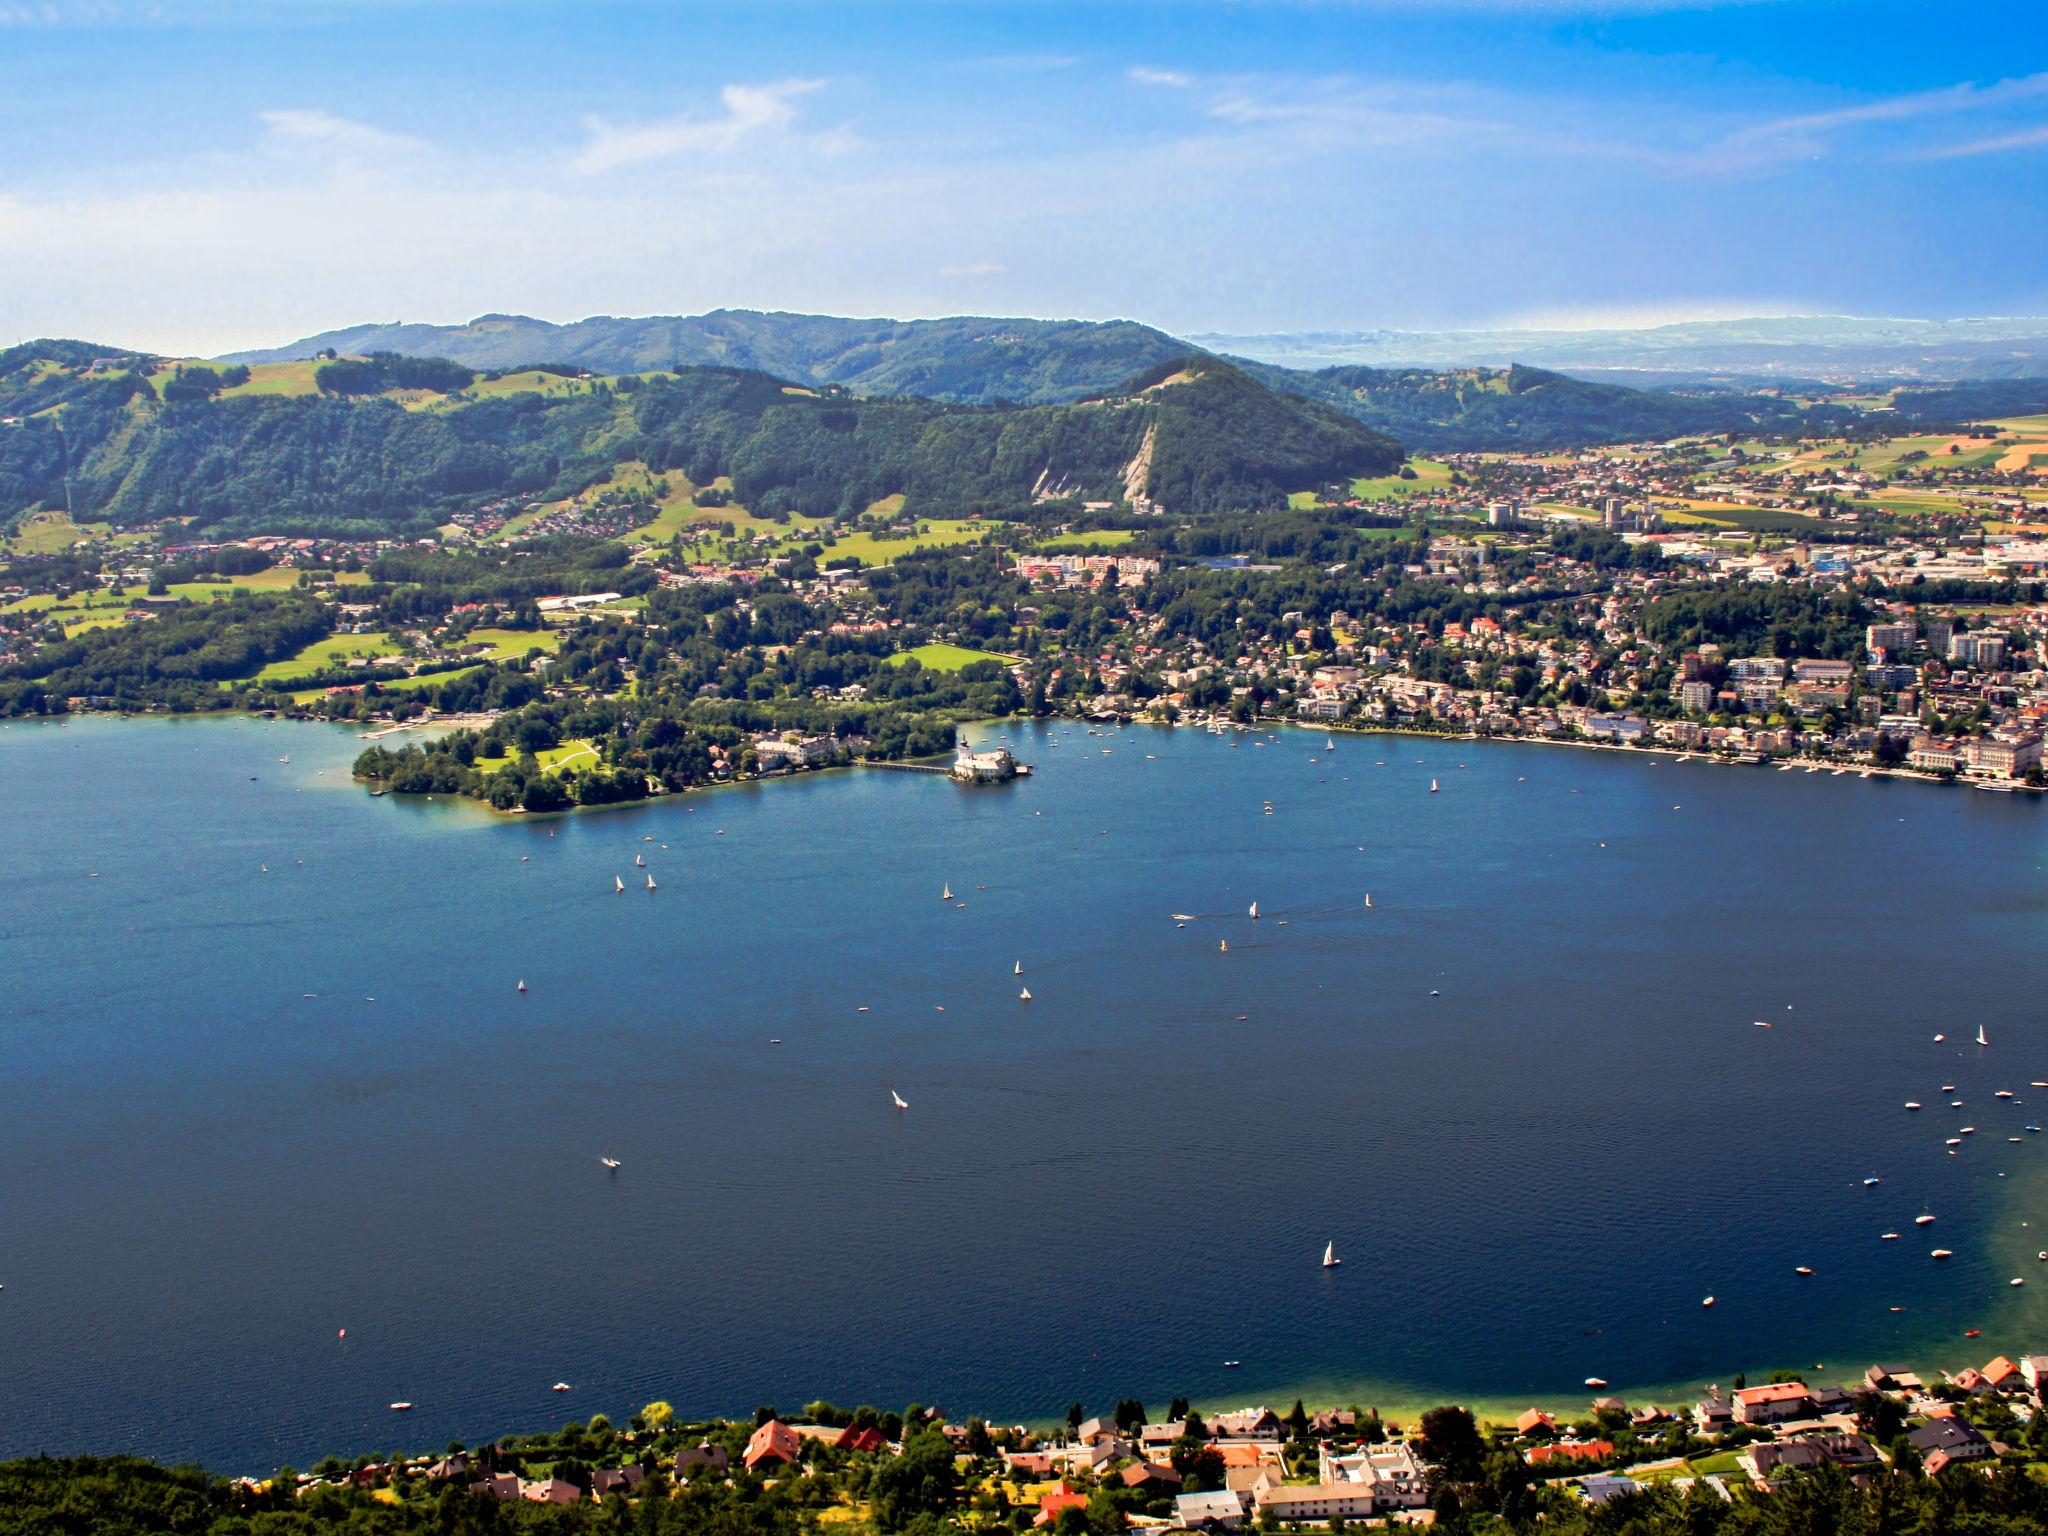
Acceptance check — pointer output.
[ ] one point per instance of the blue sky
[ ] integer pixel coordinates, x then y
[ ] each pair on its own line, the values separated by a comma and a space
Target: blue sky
201, 176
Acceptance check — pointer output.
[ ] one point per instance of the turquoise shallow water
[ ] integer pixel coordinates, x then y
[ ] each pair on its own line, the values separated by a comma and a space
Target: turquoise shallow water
1533, 1176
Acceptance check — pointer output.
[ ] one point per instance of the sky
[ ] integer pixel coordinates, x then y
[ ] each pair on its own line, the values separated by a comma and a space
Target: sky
197, 177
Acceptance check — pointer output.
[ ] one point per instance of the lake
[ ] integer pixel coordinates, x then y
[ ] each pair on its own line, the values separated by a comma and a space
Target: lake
269, 1078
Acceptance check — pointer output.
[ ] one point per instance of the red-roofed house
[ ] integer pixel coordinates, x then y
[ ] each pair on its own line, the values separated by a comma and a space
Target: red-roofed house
1581, 1450
851, 1439
2004, 1375
773, 1441
1061, 1498
1770, 1403
1534, 1419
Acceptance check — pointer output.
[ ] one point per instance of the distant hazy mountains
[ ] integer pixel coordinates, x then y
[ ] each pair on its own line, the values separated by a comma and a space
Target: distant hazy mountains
968, 360
1836, 348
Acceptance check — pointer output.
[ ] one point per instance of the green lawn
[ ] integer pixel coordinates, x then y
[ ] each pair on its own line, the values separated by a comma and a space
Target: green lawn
50, 533
509, 644
570, 754
394, 685
934, 534
1100, 538
1430, 475
328, 655
949, 658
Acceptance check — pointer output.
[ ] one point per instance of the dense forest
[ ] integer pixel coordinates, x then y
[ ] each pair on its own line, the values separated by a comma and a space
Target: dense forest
352, 465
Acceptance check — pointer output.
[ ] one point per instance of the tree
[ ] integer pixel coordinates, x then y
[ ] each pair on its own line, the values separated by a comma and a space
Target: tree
1450, 1439
1075, 1414
1130, 1414
656, 1416
920, 1481
1297, 1419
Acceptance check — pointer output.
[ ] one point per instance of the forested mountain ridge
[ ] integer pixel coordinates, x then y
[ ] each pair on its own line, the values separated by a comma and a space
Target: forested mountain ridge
119, 445
1522, 408
970, 360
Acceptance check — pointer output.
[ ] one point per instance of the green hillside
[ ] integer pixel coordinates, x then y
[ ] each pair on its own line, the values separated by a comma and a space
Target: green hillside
1191, 436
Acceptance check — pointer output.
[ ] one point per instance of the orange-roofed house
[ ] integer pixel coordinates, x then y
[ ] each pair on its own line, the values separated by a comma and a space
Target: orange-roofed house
1773, 1402
1060, 1499
2004, 1375
1535, 1420
1245, 1455
773, 1441
1580, 1450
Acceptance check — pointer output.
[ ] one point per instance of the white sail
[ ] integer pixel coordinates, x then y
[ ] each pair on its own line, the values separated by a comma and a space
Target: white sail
1025, 995
1432, 786
522, 984
639, 861
1223, 946
1368, 901
618, 884
1330, 1259
1255, 909
898, 1098
1018, 969
1980, 1036
650, 881
946, 894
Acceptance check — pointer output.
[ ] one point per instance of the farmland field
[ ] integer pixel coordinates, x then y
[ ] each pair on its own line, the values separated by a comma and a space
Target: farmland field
947, 658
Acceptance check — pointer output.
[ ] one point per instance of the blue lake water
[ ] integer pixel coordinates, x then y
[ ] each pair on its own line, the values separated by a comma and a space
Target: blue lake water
1532, 1176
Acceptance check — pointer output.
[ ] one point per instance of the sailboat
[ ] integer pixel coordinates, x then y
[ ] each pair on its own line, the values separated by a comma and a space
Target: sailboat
1024, 996
1329, 743
522, 984
1368, 901
650, 880
639, 862
1432, 786
1330, 1259
618, 884
946, 894
897, 1098
1980, 1036
1223, 946
610, 1162
1018, 969
1255, 910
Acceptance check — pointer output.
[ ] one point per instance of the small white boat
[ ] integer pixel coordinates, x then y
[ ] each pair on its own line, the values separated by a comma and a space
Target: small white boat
946, 893
1017, 969
1183, 917
1024, 996
1596, 1381
2017, 1281
1912, 1103
1706, 1301
1329, 744
1980, 1036
1801, 1269
1223, 946
1763, 1023
2003, 1093
560, 1386
1925, 1218
618, 884
1368, 901
522, 985
1330, 1259
611, 1162
1432, 786
639, 861
401, 1407
1888, 1237
1941, 1253
1255, 910
1939, 1038
1873, 1179
650, 881
897, 1099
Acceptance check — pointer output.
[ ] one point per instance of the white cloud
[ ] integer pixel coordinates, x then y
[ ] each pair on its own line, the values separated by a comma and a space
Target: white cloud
973, 269
750, 110
1144, 74
302, 127
2026, 138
